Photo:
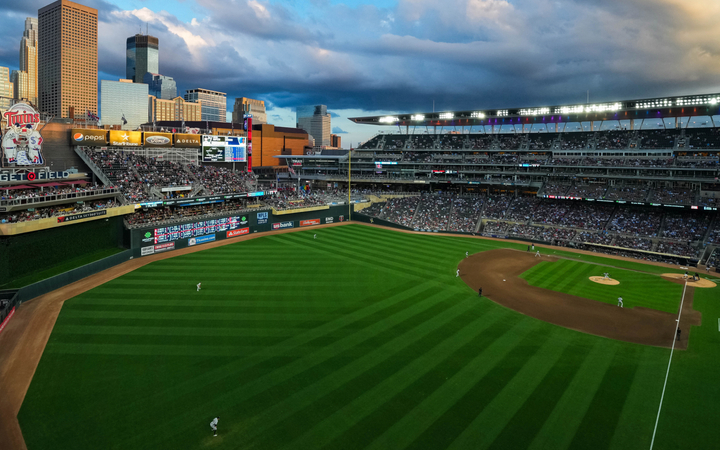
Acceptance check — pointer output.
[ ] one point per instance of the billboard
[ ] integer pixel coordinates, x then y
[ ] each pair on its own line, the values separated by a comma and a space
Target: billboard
153, 139
88, 138
188, 230
201, 239
281, 225
187, 140
309, 222
21, 141
121, 138
239, 232
223, 148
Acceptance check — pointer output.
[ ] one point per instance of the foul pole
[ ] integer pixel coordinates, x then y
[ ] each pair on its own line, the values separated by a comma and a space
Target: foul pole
349, 180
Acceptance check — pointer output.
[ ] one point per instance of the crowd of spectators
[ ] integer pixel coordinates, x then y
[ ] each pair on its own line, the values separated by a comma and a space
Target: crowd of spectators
465, 214
521, 209
627, 193
220, 180
48, 191
677, 248
636, 222
587, 190
673, 196
157, 216
433, 212
685, 227
636, 243
595, 237
55, 211
401, 210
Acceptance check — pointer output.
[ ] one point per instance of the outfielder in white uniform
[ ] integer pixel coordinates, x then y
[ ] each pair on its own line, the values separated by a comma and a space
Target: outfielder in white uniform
620, 303
458, 273
314, 236
213, 425
198, 287
466, 254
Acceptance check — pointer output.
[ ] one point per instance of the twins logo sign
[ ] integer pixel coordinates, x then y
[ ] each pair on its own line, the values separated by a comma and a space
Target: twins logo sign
21, 141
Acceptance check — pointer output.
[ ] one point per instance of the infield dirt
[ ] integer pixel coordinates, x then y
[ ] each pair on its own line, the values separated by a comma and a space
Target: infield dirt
498, 272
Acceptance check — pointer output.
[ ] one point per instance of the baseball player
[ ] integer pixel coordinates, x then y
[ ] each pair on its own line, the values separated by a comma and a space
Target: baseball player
533, 247
458, 273
466, 254
537, 254
314, 236
198, 287
607, 276
620, 303
213, 425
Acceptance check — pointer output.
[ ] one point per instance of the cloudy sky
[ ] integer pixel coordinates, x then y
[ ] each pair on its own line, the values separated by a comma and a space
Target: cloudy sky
368, 57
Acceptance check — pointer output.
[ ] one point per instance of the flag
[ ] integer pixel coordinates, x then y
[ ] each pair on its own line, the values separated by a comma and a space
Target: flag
291, 170
93, 116
123, 119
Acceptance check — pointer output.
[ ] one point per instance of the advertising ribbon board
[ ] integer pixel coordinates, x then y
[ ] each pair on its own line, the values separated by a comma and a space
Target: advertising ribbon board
120, 138
153, 139
309, 222
201, 239
164, 247
187, 140
63, 219
88, 138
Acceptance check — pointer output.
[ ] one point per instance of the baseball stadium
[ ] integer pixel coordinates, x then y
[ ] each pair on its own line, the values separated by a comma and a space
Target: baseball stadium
527, 278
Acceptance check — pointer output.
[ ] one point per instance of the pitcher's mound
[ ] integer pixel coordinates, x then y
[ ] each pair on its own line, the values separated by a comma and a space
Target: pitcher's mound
603, 280
701, 283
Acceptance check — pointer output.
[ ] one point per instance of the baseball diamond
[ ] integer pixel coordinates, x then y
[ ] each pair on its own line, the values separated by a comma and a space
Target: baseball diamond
375, 344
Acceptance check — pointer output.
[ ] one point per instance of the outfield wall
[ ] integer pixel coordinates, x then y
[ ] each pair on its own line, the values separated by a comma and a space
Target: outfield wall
157, 239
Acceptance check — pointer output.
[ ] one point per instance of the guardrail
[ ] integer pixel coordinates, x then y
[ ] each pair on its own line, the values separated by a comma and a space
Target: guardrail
33, 201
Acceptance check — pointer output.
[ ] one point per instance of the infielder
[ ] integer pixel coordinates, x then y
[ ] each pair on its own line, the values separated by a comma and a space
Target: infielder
466, 254
198, 287
213, 425
620, 303
458, 273
537, 254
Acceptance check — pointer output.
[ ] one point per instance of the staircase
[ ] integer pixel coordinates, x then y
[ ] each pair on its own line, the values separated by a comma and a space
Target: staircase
94, 167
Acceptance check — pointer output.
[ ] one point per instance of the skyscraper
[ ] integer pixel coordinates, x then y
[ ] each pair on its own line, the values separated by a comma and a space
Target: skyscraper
6, 89
316, 121
257, 109
141, 57
214, 103
67, 59
123, 103
26, 86
160, 86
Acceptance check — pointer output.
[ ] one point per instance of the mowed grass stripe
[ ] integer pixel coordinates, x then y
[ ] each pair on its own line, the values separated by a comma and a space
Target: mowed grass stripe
489, 366
224, 394
601, 418
281, 331
414, 382
343, 385
561, 422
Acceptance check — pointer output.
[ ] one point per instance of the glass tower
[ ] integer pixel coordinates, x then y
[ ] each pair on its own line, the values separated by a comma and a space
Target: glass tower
141, 57
316, 121
160, 86
123, 98
214, 103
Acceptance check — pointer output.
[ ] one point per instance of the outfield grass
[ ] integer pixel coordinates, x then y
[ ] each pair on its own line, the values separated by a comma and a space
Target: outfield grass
69, 264
360, 339
573, 277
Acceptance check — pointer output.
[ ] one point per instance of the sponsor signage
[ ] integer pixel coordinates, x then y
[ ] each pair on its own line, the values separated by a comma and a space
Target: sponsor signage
240, 232
223, 148
281, 225
121, 138
243, 220
188, 230
88, 138
201, 239
149, 250
176, 188
341, 218
308, 222
63, 219
21, 141
32, 176
153, 139
329, 220
262, 217
164, 247
187, 140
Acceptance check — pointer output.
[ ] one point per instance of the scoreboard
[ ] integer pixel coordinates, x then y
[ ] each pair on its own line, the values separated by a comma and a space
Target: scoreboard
224, 148
176, 232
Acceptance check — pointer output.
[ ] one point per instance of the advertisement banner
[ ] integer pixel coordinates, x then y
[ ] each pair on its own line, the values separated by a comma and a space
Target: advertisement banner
201, 239
262, 217
121, 138
309, 222
329, 220
240, 232
149, 250
63, 219
281, 225
341, 218
187, 140
153, 139
88, 138
164, 247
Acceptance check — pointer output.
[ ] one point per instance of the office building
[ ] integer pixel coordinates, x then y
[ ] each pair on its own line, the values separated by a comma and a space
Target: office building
123, 103
316, 121
214, 103
26, 78
160, 86
336, 141
67, 59
6, 89
141, 57
256, 108
177, 109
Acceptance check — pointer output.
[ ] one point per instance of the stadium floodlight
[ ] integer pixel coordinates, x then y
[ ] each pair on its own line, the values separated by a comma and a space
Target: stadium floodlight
447, 115
534, 111
501, 112
388, 119
598, 107
477, 115
418, 117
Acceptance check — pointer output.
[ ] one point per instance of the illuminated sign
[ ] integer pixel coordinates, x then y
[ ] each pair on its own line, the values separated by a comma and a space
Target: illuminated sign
388, 119
224, 148
309, 222
187, 140
21, 142
152, 139
281, 225
240, 232
120, 138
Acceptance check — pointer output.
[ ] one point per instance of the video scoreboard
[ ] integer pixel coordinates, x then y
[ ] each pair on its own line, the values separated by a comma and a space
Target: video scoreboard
224, 148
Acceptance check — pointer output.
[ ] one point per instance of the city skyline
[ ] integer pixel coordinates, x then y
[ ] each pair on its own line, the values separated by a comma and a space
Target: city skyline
372, 57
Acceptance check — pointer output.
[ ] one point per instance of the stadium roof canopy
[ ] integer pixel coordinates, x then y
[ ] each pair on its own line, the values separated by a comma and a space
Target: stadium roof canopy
650, 108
